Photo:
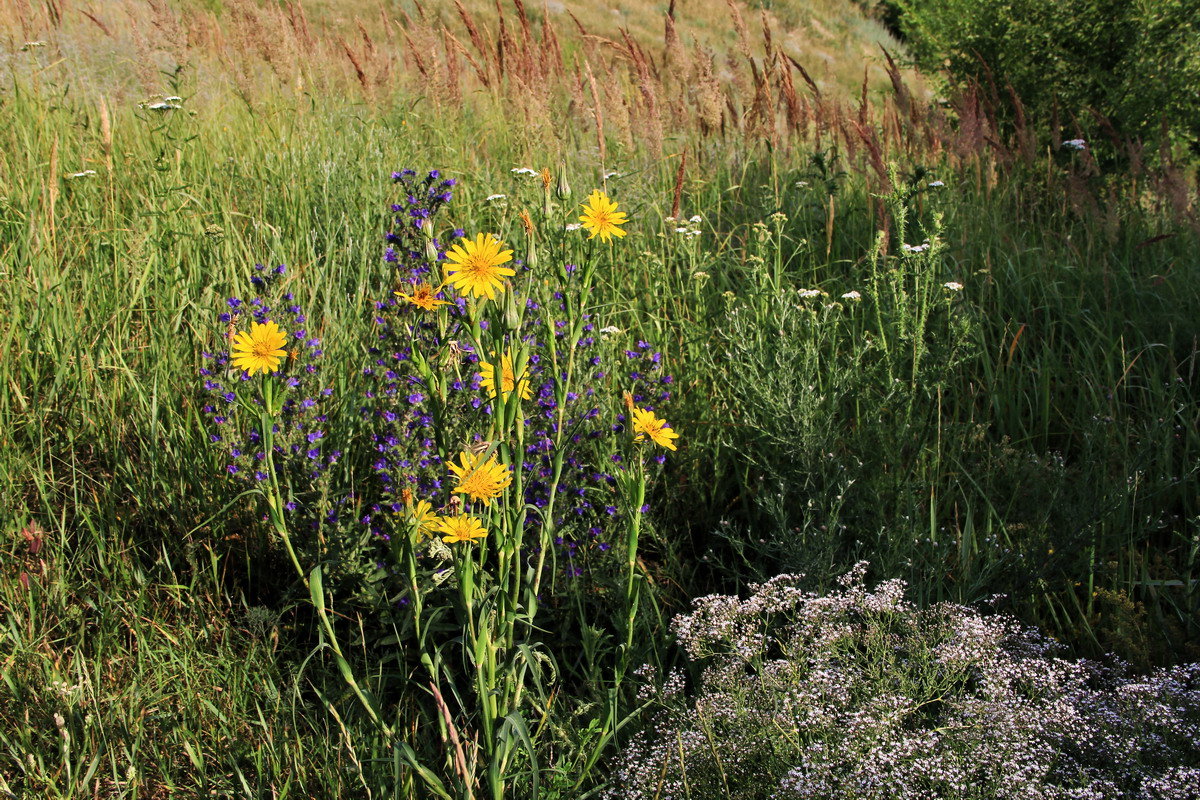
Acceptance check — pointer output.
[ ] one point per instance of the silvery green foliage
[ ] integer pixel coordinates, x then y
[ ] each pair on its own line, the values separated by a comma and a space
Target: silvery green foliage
860, 695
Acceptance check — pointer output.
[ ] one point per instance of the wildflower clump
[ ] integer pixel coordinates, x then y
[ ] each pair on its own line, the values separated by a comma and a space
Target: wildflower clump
264, 400
860, 695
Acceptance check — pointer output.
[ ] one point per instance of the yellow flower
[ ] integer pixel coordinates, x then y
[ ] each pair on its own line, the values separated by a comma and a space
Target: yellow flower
460, 529
259, 350
480, 481
474, 266
508, 379
423, 296
601, 218
646, 424
424, 517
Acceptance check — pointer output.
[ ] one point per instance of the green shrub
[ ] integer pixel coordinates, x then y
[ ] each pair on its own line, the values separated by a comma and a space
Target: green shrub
1135, 64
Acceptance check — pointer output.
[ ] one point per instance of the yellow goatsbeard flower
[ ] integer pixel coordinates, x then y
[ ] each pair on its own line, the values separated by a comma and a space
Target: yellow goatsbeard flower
260, 350
473, 267
424, 297
601, 218
508, 379
645, 424
459, 529
480, 481
424, 518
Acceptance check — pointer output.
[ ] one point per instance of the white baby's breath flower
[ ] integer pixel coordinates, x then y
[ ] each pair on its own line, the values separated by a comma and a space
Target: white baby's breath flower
953, 286
852, 295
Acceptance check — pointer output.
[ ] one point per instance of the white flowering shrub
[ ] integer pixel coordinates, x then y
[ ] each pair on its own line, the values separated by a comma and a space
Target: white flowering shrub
860, 695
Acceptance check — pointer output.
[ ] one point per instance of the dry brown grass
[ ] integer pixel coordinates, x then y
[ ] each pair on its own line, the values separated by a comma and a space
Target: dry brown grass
548, 76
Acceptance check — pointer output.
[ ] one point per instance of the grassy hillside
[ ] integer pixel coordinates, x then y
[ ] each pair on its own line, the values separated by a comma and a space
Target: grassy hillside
895, 332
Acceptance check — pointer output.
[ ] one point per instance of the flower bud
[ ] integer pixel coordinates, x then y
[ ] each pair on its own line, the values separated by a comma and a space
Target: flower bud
562, 189
512, 313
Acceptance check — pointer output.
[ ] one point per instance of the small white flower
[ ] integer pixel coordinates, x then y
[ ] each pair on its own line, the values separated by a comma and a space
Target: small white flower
693, 234
953, 286
163, 105
524, 171
695, 219
670, 219
809, 293
30, 45
800, 184
573, 226
492, 197
1075, 144
700, 276
173, 99
681, 230
936, 185
920, 248
852, 295
611, 330
86, 173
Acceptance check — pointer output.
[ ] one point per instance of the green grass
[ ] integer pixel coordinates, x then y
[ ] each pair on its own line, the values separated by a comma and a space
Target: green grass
1033, 434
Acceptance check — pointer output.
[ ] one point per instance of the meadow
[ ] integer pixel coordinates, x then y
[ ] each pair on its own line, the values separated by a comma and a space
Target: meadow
940, 363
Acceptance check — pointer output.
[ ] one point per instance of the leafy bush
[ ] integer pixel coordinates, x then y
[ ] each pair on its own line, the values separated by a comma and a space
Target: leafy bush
1135, 64
859, 694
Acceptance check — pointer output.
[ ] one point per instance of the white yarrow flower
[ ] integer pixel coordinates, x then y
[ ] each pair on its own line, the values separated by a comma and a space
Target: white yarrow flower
953, 286
1075, 144
852, 295
524, 171
920, 248
492, 197
573, 226
809, 293
936, 185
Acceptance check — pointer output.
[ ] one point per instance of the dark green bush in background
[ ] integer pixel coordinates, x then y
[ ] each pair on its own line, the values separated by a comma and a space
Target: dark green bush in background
1134, 64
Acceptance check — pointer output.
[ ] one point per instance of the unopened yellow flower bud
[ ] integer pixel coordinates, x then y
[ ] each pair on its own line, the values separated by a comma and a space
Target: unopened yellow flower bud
562, 189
